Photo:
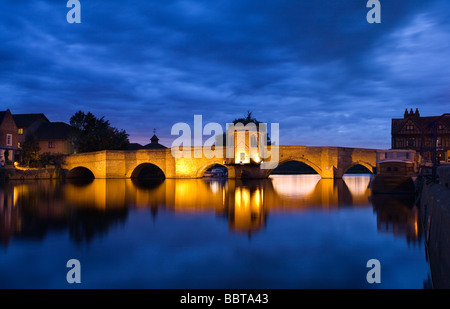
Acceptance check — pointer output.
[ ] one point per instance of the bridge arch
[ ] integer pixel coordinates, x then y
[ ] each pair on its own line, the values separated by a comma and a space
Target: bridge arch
147, 171
80, 172
367, 165
303, 160
201, 171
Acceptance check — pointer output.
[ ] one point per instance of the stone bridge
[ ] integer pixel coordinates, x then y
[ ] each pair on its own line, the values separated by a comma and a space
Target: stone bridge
328, 162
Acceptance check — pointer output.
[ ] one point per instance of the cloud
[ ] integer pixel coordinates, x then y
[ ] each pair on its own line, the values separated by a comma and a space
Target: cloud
316, 67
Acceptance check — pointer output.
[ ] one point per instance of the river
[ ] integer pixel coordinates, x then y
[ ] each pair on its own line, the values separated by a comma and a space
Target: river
285, 232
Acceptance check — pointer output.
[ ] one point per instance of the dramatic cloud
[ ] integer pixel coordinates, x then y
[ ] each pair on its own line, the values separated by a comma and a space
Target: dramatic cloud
316, 67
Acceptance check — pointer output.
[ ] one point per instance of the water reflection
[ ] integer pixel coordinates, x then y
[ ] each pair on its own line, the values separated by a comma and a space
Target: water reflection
398, 215
89, 209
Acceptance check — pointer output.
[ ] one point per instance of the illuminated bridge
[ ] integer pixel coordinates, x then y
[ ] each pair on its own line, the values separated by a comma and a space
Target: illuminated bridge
328, 162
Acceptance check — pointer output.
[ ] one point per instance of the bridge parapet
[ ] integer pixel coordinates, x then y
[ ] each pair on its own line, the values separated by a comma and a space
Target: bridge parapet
328, 162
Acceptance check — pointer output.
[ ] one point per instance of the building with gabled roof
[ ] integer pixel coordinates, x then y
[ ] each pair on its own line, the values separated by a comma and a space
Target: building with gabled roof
54, 137
418, 133
28, 123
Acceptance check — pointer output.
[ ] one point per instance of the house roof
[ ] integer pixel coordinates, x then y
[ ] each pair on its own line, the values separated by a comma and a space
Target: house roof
154, 144
25, 120
421, 122
53, 131
134, 146
3, 114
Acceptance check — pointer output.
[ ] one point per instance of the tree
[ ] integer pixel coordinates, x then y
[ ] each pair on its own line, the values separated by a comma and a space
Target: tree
30, 149
248, 119
90, 133
47, 158
245, 120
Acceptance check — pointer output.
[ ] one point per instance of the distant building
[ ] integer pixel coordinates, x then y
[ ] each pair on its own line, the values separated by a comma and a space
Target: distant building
9, 137
28, 123
154, 144
134, 146
418, 133
54, 138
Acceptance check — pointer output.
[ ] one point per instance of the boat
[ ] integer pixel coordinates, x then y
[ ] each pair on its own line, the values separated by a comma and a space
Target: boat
216, 173
396, 172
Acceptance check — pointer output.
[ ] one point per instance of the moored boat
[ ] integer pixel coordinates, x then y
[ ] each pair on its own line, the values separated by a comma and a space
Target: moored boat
396, 172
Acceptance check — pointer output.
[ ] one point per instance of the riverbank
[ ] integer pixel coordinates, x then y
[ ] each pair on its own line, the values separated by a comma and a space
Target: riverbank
434, 201
11, 173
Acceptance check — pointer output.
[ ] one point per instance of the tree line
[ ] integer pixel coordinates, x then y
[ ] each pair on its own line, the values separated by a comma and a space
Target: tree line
88, 133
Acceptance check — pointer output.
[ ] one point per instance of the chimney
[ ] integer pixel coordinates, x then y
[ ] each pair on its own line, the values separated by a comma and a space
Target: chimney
417, 114
406, 113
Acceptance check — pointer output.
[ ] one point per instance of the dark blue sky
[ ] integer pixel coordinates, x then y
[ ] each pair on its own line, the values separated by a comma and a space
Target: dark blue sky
316, 67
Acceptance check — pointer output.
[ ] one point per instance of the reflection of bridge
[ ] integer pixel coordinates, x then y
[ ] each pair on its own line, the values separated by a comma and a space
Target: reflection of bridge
244, 203
328, 162
278, 193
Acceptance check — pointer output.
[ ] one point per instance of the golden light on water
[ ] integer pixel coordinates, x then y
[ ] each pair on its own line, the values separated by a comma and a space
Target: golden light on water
215, 186
357, 184
244, 203
293, 186
15, 196
247, 210
276, 193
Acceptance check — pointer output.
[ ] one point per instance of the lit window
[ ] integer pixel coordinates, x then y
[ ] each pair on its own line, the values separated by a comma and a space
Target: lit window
409, 127
8, 139
51, 144
20, 131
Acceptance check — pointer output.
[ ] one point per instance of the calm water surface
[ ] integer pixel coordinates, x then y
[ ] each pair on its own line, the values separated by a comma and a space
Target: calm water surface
290, 231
